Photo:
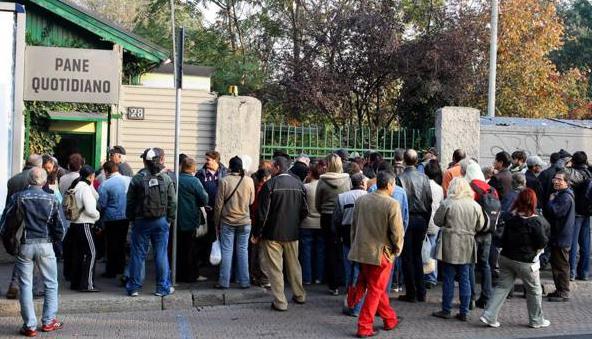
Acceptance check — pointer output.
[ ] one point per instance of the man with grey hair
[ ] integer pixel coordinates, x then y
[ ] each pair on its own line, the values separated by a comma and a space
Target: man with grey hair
419, 198
43, 220
16, 184
535, 166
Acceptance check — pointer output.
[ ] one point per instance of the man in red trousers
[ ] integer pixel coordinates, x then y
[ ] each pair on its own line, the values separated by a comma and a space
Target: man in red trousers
376, 239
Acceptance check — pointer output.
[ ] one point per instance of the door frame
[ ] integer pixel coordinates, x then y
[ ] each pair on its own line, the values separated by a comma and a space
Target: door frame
98, 121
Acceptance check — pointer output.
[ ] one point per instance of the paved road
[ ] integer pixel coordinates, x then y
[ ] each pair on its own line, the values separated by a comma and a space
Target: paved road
319, 318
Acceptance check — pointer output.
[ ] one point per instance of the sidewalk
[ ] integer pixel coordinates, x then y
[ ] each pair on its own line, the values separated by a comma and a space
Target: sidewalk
113, 298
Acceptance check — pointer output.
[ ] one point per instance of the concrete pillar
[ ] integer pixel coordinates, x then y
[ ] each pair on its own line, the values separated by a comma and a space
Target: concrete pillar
238, 129
457, 127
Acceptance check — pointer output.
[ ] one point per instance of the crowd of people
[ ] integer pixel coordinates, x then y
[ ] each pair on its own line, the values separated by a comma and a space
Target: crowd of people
362, 225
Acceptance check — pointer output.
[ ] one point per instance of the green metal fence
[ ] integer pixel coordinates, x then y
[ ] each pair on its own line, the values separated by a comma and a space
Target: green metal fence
319, 140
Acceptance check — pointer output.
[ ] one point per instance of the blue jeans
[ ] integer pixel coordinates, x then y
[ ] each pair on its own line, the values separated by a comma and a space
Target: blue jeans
232, 237
581, 241
483, 247
43, 256
450, 272
312, 254
432, 278
352, 271
144, 232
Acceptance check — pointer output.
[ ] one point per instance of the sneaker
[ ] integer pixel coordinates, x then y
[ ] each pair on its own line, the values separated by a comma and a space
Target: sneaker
334, 292
202, 278
545, 323
28, 332
134, 294
53, 325
442, 314
486, 321
171, 291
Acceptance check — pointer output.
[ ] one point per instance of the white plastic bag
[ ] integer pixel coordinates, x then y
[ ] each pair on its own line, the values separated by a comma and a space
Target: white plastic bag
216, 253
426, 256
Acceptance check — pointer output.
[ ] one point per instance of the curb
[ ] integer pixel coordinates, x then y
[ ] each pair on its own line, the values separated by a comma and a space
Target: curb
106, 303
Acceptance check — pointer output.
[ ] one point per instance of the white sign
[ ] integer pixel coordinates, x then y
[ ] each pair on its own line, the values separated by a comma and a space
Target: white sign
71, 75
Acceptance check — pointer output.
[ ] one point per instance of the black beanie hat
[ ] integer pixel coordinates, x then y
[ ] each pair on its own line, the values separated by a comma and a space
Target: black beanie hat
235, 165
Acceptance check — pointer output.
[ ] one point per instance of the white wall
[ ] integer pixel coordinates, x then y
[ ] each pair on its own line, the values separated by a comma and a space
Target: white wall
7, 60
159, 80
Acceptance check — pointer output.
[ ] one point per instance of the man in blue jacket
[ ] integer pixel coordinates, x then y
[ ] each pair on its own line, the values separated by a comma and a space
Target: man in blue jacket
43, 221
560, 211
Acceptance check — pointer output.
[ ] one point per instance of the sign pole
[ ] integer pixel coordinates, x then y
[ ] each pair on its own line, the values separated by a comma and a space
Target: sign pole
492, 59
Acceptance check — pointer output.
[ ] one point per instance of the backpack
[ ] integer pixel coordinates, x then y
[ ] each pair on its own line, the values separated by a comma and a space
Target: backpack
154, 203
13, 230
71, 209
491, 206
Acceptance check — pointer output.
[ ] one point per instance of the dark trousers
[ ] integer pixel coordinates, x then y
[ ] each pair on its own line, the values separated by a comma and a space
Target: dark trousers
82, 275
187, 261
258, 276
115, 235
412, 262
482, 267
333, 254
560, 269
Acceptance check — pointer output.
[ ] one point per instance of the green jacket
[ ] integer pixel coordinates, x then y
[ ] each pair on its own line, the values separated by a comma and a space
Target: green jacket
192, 196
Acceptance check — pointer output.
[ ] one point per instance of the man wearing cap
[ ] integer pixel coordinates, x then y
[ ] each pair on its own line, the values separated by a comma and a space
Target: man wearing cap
117, 155
151, 204
535, 166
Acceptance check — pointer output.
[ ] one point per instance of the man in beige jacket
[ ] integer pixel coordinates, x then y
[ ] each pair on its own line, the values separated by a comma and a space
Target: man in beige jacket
376, 239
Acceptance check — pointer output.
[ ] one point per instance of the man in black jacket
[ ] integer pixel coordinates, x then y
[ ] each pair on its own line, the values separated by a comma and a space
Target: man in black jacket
282, 206
560, 211
419, 197
579, 176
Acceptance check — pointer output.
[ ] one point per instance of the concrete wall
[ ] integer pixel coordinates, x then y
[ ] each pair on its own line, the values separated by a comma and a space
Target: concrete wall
534, 140
238, 129
457, 127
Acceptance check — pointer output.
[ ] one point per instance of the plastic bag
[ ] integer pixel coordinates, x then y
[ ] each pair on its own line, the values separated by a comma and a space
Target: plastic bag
216, 253
426, 256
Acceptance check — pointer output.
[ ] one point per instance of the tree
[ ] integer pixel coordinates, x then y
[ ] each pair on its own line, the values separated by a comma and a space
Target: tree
122, 12
528, 83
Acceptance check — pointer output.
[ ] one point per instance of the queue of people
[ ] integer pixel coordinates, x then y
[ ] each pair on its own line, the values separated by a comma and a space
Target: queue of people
358, 223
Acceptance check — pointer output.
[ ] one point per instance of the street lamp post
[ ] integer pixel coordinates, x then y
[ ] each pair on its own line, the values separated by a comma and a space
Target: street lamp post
492, 59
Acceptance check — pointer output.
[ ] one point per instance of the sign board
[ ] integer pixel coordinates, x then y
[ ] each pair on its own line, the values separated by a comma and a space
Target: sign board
135, 113
71, 75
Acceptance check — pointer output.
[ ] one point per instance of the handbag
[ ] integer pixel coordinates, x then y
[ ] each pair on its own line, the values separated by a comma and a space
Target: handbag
202, 228
215, 253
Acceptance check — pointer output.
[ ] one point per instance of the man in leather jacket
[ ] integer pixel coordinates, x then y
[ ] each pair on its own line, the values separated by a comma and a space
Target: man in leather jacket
419, 197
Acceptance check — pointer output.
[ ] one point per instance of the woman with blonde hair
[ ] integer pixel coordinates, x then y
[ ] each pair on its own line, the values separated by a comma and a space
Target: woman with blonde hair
459, 218
329, 186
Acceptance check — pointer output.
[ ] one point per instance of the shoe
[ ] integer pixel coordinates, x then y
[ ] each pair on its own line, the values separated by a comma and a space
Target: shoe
12, 293
480, 303
572, 278
295, 300
556, 297
220, 287
461, 317
349, 312
421, 299
429, 285
134, 294
442, 314
486, 321
334, 292
545, 323
368, 335
201, 278
266, 285
472, 305
385, 328
582, 278
171, 291
53, 325
244, 287
28, 332
306, 283
407, 298
318, 282
275, 308
90, 290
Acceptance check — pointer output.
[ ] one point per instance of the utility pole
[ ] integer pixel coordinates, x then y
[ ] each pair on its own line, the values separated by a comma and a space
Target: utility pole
492, 59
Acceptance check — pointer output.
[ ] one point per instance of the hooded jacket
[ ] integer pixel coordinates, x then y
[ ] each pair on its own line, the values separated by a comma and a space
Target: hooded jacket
561, 215
330, 185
